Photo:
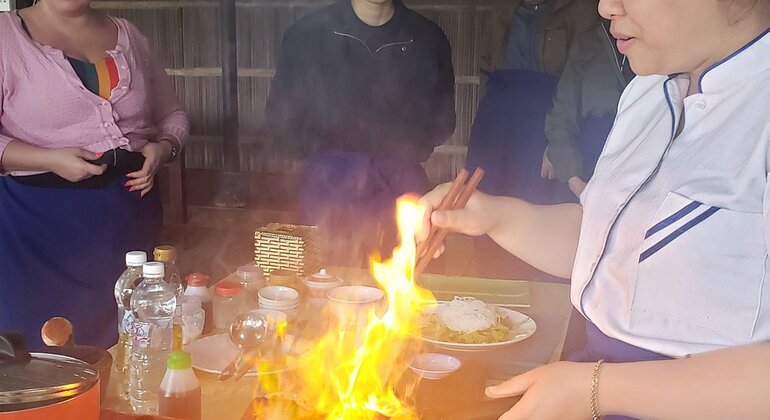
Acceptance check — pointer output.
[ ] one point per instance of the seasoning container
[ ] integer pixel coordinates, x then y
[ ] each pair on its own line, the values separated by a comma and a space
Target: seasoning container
283, 278
198, 286
180, 391
192, 317
228, 303
319, 283
252, 279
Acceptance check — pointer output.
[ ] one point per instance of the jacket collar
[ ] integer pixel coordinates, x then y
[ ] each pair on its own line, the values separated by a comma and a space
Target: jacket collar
744, 63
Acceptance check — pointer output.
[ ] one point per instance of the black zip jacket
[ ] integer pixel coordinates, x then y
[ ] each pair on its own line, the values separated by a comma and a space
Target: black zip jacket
343, 85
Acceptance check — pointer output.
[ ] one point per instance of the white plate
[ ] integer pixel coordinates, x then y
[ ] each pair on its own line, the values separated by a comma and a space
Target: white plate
524, 328
213, 353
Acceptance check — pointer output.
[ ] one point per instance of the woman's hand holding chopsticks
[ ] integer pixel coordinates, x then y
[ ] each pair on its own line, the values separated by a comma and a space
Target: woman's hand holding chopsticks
447, 209
542, 236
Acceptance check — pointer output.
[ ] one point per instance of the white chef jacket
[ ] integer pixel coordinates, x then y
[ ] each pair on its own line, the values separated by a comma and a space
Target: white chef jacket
673, 252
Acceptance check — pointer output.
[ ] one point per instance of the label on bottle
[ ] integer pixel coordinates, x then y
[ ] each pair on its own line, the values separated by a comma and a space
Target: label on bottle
147, 335
126, 321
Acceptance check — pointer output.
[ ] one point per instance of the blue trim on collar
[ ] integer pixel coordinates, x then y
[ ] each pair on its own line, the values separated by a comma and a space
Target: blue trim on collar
670, 104
722, 61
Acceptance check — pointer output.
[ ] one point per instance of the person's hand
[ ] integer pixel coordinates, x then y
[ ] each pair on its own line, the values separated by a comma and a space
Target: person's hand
155, 154
558, 391
576, 185
546, 170
472, 220
71, 163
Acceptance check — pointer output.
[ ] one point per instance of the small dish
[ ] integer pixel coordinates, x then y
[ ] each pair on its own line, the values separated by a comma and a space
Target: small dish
352, 305
281, 295
434, 365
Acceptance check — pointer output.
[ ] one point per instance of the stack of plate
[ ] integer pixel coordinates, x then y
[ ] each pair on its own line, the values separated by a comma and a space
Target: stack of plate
280, 298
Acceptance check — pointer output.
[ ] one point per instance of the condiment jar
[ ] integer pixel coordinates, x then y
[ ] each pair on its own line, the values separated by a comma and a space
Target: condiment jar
228, 303
198, 286
283, 278
251, 278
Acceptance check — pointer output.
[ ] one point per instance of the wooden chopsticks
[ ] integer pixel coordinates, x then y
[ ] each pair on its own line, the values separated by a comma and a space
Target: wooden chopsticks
457, 197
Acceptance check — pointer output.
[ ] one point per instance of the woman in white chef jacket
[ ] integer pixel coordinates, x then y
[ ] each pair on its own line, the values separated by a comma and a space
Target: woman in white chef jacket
668, 251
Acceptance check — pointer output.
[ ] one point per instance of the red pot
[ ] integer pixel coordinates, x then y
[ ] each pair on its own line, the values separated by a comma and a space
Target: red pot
51, 387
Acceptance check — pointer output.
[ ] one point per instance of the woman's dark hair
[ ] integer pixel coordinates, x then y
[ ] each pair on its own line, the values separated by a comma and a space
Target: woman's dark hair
20, 4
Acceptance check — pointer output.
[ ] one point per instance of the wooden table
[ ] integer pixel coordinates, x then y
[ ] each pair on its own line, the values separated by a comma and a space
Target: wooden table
459, 396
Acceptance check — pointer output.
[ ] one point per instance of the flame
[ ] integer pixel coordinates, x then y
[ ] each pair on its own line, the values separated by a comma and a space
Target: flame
358, 372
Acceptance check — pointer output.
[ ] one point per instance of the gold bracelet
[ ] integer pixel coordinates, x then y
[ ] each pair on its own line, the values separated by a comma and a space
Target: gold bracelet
595, 391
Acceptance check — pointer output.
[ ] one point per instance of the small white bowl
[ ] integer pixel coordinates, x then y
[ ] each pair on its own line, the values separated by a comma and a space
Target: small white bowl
434, 365
278, 294
352, 305
355, 295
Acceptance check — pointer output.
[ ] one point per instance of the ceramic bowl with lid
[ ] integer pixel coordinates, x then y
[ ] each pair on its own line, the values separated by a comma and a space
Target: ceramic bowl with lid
319, 283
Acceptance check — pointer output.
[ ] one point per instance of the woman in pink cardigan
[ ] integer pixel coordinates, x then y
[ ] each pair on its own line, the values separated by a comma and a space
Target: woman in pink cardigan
87, 116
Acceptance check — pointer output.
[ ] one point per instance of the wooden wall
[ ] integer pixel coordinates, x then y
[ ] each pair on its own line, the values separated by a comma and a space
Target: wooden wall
185, 34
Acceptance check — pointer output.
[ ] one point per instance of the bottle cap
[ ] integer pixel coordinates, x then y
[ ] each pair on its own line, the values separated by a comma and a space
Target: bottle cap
179, 360
153, 269
164, 253
228, 288
197, 279
135, 258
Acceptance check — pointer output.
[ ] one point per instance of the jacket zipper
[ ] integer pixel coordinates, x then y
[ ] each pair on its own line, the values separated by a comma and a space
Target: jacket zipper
367, 47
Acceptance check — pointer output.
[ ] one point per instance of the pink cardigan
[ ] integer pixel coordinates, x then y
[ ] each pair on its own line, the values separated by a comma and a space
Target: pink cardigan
44, 103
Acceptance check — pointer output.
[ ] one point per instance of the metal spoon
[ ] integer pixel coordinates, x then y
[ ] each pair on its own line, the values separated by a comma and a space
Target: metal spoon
248, 331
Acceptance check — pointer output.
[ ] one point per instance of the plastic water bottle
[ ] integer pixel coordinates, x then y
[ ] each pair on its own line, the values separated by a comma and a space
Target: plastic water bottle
153, 304
167, 255
124, 288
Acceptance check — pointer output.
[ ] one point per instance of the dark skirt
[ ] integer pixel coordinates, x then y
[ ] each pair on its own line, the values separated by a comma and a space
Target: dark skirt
61, 251
599, 346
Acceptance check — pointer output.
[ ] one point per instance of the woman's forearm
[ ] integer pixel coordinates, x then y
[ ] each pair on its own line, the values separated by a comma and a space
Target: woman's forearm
545, 237
726, 384
20, 156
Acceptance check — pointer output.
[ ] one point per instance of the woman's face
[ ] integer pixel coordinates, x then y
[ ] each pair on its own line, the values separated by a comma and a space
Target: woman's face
669, 36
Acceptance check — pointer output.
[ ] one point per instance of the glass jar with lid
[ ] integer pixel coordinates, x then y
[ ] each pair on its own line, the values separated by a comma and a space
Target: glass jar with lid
228, 303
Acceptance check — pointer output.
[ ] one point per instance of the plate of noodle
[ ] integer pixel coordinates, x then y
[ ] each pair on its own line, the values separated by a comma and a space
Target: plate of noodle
469, 324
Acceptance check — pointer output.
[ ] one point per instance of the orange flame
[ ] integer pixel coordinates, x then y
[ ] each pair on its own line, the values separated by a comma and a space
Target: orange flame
356, 372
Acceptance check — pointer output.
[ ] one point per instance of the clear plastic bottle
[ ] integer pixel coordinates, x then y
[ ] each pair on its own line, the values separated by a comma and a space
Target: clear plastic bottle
180, 392
124, 288
167, 255
153, 304
198, 286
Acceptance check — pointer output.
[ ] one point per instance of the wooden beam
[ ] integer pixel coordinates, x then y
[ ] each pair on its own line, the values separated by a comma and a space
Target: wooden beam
269, 73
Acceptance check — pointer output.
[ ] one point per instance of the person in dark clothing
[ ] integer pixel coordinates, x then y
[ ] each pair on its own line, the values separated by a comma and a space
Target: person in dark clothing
533, 35
363, 92
584, 108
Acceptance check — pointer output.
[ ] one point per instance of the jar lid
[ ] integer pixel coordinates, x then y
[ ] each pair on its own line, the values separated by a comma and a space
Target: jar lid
228, 288
250, 272
197, 279
164, 253
45, 379
322, 276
